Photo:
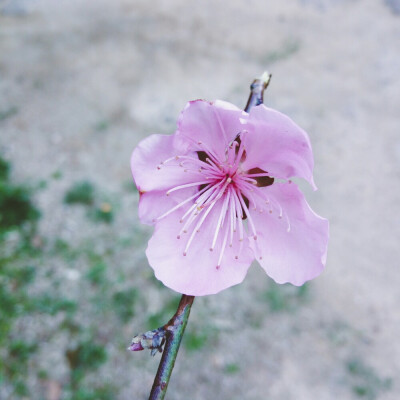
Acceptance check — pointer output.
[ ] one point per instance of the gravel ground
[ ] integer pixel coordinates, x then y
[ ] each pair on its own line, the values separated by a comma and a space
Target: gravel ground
89, 79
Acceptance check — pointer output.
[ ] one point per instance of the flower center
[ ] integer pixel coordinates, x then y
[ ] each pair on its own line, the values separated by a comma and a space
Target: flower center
224, 189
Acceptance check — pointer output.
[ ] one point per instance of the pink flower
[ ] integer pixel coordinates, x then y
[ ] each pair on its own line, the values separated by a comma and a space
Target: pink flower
219, 195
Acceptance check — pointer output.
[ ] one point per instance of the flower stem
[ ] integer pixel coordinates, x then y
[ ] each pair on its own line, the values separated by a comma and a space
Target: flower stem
257, 91
173, 341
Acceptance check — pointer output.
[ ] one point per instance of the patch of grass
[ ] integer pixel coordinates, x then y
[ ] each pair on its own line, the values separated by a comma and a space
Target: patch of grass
290, 47
163, 316
365, 382
4, 169
129, 186
51, 305
102, 125
285, 297
64, 250
97, 273
231, 369
105, 392
80, 193
87, 355
195, 340
15, 365
199, 336
123, 303
103, 213
9, 112
56, 175
16, 205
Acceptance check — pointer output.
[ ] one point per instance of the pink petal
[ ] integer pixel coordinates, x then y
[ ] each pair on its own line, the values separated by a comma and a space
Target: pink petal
212, 124
147, 170
276, 144
196, 273
295, 256
155, 203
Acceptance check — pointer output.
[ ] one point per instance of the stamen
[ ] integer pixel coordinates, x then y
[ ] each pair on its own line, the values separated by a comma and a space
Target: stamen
240, 153
223, 247
219, 223
248, 216
180, 205
197, 228
186, 186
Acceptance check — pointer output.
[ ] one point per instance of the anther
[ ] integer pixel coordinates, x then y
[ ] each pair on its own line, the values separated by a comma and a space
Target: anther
211, 249
218, 267
236, 257
178, 237
255, 237
184, 253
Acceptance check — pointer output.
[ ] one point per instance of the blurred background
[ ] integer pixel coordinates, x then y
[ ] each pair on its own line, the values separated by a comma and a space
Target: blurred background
81, 83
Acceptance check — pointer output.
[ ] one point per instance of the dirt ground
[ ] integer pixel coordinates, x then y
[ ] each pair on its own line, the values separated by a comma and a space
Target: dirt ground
89, 79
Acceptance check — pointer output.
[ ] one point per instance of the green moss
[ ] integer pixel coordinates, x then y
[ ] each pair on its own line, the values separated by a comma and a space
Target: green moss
231, 369
80, 193
285, 297
56, 175
364, 380
4, 169
16, 207
86, 356
97, 273
105, 392
47, 304
9, 112
123, 303
102, 213
163, 316
102, 126
195, 340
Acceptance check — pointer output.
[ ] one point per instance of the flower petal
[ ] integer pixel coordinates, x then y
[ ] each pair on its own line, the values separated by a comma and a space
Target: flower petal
155, 203
148, 171
296, 254
212, 124
196, 273
276, 144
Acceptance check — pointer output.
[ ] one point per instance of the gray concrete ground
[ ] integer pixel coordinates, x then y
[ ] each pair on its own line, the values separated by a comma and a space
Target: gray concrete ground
130, 66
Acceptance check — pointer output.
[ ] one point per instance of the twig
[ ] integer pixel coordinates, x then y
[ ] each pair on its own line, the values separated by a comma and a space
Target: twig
171, 335
257, 91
